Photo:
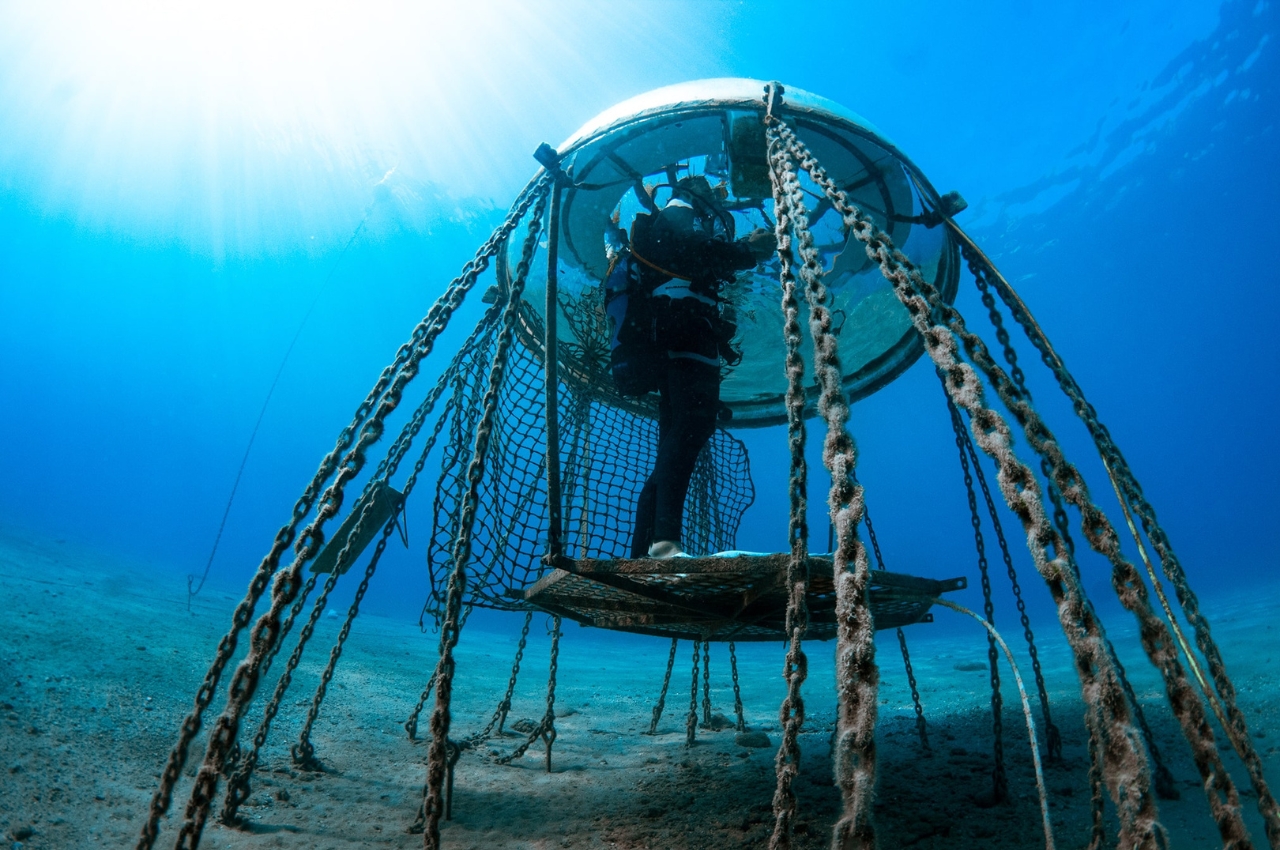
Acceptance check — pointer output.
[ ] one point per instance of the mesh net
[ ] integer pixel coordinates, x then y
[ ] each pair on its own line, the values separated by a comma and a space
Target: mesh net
606, 453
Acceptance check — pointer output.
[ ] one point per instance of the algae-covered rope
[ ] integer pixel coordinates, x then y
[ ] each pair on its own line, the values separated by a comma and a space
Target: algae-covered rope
449, 630
1125, 764
796, 665
1156, 639
1123, 479
857, 676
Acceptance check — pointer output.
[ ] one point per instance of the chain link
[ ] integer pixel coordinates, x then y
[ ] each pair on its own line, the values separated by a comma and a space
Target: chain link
1000, 780
241, 764
796, 665
344, 462
549, 721
546, 728
1156, 639
706, 683
1164, 782
921, 727
450, 627
691, 720
666, 683
737, 693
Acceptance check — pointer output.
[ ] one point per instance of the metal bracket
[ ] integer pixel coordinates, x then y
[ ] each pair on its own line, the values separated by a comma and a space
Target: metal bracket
949, 205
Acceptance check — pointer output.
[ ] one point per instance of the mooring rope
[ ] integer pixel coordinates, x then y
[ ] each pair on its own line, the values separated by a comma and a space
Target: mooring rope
1026, 713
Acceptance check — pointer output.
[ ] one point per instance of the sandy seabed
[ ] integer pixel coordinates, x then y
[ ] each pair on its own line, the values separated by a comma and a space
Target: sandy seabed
99, 664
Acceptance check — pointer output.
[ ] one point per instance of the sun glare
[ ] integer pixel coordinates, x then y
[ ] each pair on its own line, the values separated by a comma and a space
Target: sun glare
240, 115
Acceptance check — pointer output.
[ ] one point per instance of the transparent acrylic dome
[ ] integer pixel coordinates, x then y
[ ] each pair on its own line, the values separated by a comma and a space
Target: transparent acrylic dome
714, 127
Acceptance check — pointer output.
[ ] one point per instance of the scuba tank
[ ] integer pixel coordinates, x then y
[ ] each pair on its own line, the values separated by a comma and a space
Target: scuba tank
629, 308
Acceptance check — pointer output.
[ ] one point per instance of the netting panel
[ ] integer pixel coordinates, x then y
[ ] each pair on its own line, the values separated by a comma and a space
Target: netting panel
606, 455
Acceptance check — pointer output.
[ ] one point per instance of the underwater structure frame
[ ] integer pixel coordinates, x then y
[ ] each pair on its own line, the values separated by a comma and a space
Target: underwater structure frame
539, 460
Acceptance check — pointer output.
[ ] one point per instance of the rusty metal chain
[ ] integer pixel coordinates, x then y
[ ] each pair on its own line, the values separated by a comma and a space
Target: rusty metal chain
857, 675
666, 683
1053, 738
499, 717
238, 788
922, 729
546, 729
1165, 784
549, 721
1000, 780
449, 629
1156, 639
343, 463
691, 720
303, 752
241, 763
737, 692
1127, 484
706, 683
411, 725
1097, 830
504, 707
1125, 764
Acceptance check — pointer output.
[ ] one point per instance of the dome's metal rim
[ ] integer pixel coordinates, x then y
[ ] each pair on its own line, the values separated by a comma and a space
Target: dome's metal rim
739, 92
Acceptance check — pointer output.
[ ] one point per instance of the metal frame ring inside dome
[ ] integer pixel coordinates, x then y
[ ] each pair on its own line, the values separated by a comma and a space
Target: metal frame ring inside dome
809, 115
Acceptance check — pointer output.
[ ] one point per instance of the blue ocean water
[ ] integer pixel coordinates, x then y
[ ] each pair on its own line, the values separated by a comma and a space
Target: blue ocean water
180, 189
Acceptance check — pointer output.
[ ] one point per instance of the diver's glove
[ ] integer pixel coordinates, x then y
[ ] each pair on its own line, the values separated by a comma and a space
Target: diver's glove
762, 243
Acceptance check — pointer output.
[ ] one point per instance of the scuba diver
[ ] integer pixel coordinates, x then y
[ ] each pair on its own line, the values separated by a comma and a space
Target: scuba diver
684, 255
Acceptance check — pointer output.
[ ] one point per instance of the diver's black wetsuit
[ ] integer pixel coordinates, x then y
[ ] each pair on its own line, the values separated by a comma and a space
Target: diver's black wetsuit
686, 257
